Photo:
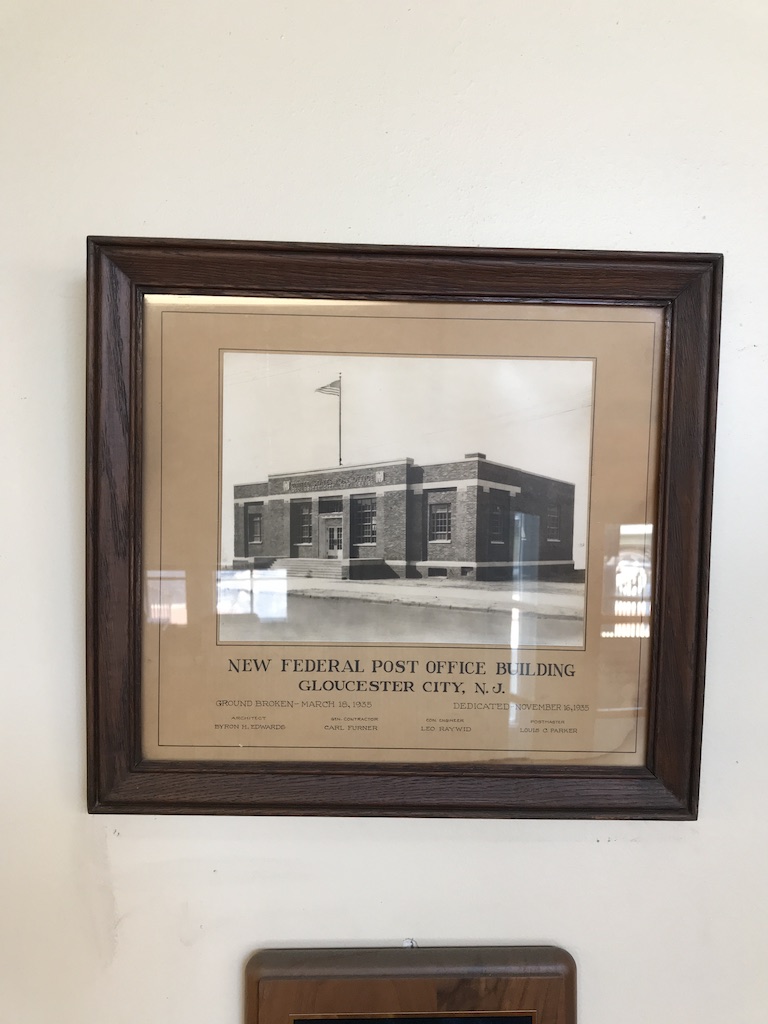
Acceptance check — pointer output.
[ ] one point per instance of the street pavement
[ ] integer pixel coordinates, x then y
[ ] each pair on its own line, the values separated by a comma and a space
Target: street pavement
557, 600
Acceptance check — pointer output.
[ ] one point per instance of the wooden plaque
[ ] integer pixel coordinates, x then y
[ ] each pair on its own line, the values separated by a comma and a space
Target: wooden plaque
523, 984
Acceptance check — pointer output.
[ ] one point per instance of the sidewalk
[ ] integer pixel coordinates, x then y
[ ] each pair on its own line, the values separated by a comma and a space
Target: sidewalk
552, 600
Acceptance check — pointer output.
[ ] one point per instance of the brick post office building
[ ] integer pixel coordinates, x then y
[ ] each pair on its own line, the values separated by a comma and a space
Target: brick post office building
473, 518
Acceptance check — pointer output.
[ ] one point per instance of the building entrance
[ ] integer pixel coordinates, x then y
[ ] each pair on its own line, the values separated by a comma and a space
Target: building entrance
331, 533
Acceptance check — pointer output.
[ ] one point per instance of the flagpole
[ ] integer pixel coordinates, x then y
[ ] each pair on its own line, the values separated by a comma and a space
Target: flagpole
334, 388
339, 419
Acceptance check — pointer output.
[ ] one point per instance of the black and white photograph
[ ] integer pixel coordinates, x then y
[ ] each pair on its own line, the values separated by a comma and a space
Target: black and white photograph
419, 500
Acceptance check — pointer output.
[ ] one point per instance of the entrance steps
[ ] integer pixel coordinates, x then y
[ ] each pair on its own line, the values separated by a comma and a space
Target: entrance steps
317, 568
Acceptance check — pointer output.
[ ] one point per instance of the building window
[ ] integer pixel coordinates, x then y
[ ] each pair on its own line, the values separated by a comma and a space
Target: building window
553, 522
253, 519
497, 523
330, 506
440, 522
364, 521
305, 524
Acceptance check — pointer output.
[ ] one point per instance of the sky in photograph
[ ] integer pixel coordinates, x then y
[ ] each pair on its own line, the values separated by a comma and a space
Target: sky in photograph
534, 414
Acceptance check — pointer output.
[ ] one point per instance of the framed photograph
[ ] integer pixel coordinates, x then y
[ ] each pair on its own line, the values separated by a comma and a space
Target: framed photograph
397, 531
442, 985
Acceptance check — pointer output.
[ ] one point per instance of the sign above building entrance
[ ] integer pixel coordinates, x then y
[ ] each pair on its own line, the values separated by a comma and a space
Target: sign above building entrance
395, 555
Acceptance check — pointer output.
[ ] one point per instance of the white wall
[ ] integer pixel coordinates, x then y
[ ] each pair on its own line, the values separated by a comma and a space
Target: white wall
490, 122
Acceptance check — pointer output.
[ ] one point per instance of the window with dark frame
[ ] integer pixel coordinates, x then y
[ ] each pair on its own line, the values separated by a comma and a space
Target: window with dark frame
497, 522
364, 521
553, 522
253, 519
305, 524
440, 521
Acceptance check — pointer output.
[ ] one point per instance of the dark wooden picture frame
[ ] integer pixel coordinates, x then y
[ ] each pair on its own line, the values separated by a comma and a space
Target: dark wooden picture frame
122, 271
438, 985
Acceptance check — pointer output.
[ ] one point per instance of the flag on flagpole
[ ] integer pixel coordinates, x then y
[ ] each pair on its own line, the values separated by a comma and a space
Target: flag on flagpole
334, 388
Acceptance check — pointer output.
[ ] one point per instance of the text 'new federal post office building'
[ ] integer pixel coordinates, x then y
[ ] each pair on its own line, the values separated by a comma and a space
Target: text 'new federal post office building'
473, 518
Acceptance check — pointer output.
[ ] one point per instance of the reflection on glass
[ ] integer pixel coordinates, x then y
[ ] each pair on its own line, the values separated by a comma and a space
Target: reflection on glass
259, 592
627, 581
166, 597
514, 644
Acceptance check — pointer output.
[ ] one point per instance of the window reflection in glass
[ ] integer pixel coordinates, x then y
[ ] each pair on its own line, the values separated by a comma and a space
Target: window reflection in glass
627, 582
166, 597
259, 592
